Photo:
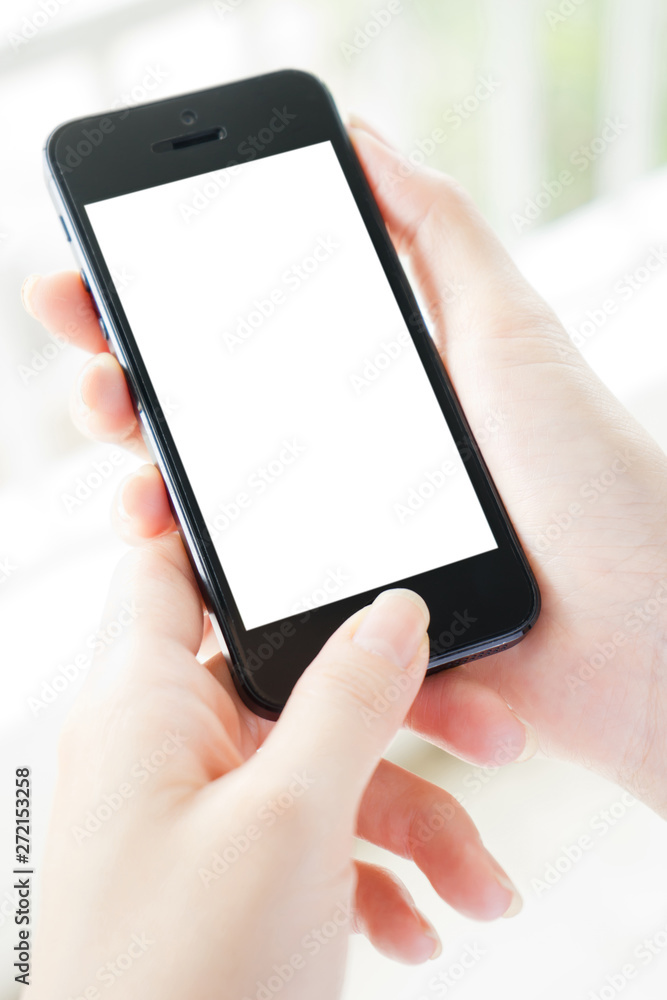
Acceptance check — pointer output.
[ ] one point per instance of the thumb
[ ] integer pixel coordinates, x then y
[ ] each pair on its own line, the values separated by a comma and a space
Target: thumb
352, 699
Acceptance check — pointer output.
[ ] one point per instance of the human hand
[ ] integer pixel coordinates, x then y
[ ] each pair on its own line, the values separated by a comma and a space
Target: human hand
587, 680
584, 484
182, 862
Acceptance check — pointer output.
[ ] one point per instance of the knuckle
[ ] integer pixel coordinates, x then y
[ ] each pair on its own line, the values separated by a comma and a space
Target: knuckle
453, 196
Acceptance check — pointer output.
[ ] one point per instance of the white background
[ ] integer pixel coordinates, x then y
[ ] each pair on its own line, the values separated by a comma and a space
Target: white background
556, 86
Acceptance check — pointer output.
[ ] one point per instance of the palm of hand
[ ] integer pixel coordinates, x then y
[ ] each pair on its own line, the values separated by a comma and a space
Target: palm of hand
586, 488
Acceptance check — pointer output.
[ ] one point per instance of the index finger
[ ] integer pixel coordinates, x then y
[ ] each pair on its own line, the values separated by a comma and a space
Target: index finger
61, 303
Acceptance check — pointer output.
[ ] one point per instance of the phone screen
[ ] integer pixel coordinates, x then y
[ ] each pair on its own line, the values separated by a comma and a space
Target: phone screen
302, 413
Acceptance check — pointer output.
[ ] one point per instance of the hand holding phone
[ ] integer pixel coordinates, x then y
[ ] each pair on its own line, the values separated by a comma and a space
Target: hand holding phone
220, 865
560, 431
284, 380
556, 439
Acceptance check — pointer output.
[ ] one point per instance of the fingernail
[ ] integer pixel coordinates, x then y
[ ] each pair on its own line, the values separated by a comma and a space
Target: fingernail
437, 944
109, 390
517, 902
429, 934
81, 404
504, 881
122, 512
531, 746
394, 626
146, 471
26, 291
499, 906
356, 121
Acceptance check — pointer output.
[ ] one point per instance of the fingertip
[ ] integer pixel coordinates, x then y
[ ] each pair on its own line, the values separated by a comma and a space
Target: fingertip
515, 907
100, 381
63, 306
471, 720
387, 914
394, 626
101, 401
531, 743
27, 289
142, 506
353, 120
356, 122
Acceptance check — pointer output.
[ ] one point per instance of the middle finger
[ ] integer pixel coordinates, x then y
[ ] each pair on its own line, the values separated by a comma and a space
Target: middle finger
414, 819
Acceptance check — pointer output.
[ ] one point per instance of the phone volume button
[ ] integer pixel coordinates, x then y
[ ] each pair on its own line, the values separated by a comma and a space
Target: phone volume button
105, 332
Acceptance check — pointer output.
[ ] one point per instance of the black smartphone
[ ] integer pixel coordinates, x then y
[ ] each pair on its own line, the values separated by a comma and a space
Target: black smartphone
286, 384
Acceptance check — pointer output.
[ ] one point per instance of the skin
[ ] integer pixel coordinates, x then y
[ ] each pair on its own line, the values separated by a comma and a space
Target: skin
563, 440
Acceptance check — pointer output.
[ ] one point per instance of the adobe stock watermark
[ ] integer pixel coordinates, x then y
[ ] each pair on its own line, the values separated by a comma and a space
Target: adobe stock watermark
644, 953
392, 693
311, 945
257, 484
435, 480
452, 118
373, 366
641, 615
93, 136
425, 490
600, 825
225, 7
563, 12
121, 276
492, 424
32, 24
140, 773
446, 980
9, 904
479, 776
333, 581
86, 485
365, 34
271, 642
40, 359
590, 492
7, 569
427, 828
205, 194
459, 625
94, 644
291, 280
113, 970
582, 157
268, 814
623, 290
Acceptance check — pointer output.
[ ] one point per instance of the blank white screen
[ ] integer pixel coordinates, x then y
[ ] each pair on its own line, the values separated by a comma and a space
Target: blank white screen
303, 416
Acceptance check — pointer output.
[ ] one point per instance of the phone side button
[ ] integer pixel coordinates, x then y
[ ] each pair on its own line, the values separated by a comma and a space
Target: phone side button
84, 280
105, 332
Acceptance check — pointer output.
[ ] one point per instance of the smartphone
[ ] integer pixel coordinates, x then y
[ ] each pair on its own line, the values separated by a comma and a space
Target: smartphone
285, 382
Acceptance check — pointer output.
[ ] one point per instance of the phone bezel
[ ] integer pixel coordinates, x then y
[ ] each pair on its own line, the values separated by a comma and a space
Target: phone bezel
499, 585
